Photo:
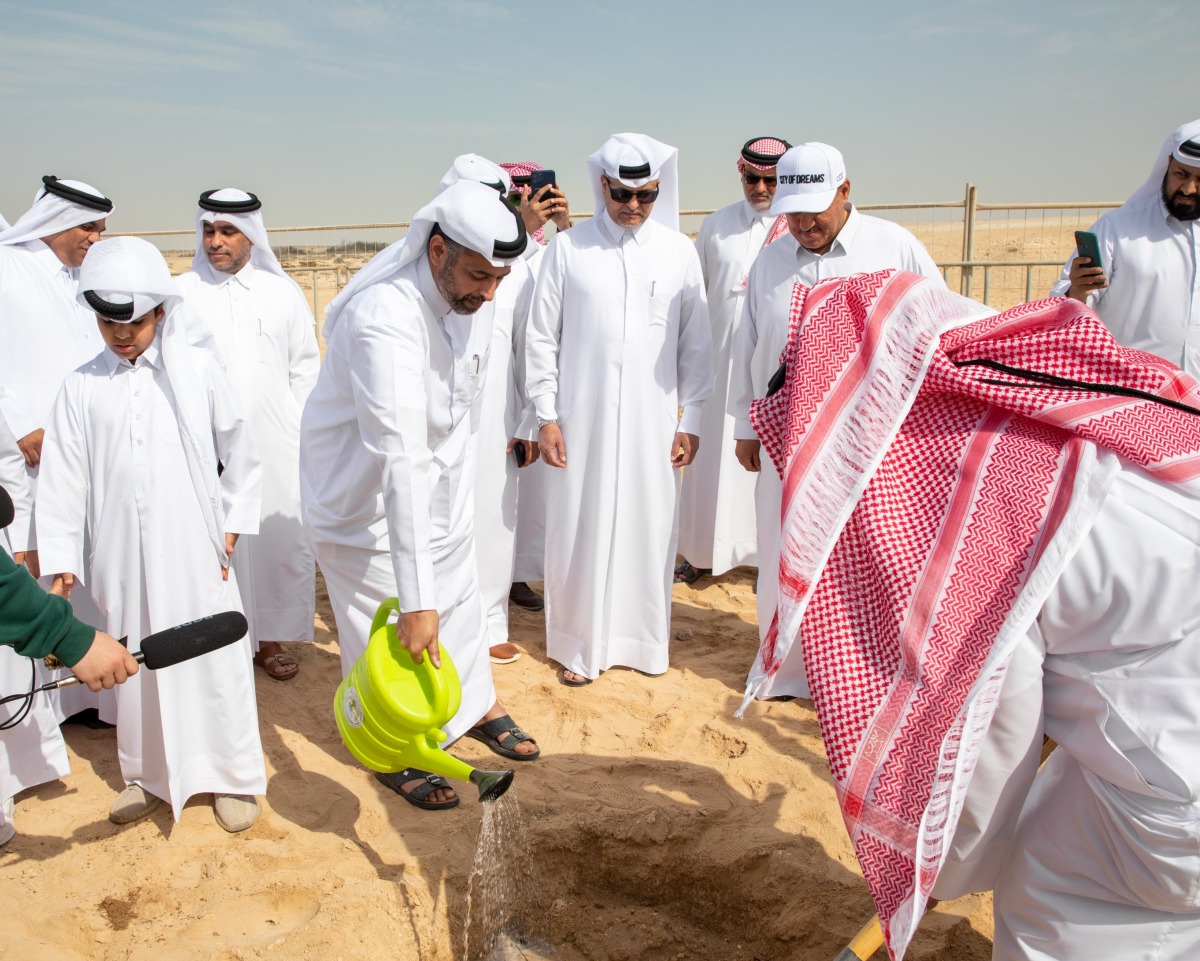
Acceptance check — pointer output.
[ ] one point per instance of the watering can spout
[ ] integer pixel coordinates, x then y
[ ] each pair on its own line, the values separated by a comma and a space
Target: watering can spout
391, 711
491, 784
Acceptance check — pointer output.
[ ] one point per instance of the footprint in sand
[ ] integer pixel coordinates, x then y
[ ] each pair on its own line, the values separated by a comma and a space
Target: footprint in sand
722, 743
257, 919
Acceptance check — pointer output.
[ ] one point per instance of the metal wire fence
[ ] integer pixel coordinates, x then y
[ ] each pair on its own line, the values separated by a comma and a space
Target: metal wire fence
999, 254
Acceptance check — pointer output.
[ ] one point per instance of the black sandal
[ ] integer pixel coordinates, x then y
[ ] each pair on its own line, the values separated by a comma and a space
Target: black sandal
490, 732
686, 574
417, 795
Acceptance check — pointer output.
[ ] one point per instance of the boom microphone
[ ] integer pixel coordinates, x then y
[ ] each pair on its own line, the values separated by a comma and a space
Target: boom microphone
193, 639
175, 644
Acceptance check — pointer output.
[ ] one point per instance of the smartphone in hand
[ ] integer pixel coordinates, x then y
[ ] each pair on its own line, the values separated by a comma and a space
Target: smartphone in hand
539, 179
1088, 245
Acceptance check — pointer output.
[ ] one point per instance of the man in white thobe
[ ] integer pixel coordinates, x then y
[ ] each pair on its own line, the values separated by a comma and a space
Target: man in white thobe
716, 503
618, 342
130, 474
550, 205
995, 533
264, 334
827, 238
1147, 287
506, 422
31, 752
44, 335
388, 453
1098, 855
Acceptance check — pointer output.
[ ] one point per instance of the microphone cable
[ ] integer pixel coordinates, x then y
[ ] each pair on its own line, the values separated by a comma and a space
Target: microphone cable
22, 712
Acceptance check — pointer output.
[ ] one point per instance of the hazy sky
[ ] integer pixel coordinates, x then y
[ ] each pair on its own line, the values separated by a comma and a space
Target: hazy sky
338, 112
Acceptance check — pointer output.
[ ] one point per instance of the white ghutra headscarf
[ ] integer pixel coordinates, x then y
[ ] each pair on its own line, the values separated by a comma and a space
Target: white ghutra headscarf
635, 159
244, 211
57, 205
468, 212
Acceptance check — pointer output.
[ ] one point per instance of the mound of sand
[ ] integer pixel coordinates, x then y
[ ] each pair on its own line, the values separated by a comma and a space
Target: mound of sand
656, 827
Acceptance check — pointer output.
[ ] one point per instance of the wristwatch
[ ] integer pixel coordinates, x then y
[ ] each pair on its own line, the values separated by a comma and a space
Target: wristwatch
542, 422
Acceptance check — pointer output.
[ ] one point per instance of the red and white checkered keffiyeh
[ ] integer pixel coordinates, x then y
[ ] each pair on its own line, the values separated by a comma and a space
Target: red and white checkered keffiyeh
524, 169
769, 146
933, 489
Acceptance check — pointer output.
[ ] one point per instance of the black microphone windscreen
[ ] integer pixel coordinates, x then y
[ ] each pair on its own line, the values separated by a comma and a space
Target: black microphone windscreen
7, 511
192, 639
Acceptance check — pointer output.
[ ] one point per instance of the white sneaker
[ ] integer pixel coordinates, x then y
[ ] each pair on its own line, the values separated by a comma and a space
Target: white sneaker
7, 829
132, 804
235, 812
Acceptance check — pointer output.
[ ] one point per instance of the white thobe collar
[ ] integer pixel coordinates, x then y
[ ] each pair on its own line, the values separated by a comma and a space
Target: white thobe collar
48, 259
845, 238
750, 215
615, 232
151, 357
243, 277
1172, 221
429, 289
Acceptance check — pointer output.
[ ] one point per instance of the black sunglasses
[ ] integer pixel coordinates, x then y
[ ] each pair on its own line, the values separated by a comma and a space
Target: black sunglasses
753, 179
622, 196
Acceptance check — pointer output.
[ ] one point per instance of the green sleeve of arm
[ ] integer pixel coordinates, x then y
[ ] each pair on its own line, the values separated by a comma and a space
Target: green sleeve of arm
35, 623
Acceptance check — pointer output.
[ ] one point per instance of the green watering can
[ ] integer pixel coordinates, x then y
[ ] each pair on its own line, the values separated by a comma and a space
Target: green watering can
390, 710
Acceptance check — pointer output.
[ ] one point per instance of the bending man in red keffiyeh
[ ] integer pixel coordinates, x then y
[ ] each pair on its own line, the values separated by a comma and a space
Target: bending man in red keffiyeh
990, 530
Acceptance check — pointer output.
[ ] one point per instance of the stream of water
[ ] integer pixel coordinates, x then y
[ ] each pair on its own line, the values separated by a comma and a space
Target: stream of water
500, 875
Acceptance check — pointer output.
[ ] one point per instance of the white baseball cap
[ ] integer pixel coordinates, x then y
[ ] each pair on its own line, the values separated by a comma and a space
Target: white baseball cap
807, 179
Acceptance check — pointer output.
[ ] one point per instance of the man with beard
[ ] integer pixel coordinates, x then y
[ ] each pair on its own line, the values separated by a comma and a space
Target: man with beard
387, 454
1144, 287
716, 508
263, 331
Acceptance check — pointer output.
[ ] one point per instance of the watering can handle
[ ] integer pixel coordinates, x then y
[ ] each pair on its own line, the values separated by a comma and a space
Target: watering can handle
381, 615
441, 693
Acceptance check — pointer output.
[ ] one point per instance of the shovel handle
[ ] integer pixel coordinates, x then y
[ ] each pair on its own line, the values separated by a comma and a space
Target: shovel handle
864, 944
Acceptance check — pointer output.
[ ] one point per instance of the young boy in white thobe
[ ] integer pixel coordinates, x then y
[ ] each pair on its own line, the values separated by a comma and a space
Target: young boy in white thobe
149, 473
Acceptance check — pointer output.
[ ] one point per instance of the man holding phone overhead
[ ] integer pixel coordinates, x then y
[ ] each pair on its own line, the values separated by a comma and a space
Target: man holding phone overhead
1144, 286
537, 195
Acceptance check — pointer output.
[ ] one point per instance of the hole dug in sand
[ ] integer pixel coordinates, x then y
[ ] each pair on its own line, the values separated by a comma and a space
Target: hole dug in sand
669, 861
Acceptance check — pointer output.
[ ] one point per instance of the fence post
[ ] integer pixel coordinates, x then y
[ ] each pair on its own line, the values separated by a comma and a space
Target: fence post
969, 202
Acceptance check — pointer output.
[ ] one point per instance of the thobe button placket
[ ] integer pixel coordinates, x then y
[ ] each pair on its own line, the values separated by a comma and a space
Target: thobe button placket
137, 431
630, 297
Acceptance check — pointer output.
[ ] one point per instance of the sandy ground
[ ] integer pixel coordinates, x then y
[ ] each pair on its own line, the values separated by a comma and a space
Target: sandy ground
655, 826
